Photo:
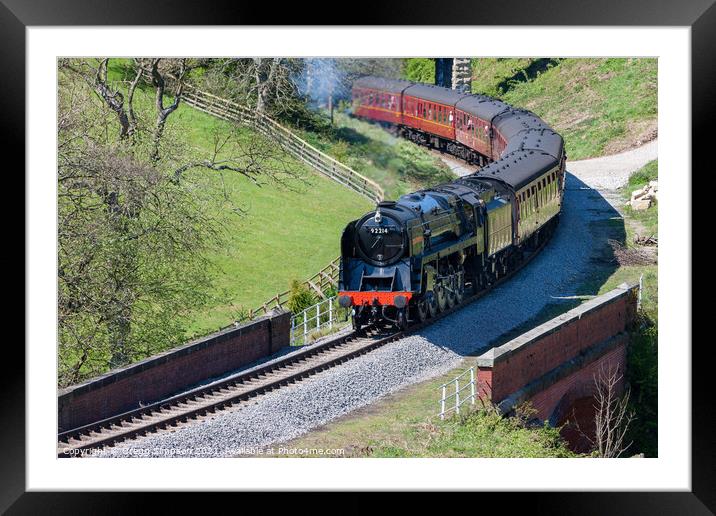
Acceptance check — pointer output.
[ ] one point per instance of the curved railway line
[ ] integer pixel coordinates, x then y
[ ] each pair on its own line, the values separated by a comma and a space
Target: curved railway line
206, 400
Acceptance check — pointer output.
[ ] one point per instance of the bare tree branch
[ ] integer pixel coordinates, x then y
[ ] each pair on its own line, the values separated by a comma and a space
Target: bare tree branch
612, 416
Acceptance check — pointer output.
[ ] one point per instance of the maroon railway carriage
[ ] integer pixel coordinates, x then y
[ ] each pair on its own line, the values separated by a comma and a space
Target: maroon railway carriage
379, 99
431, 109
473, 124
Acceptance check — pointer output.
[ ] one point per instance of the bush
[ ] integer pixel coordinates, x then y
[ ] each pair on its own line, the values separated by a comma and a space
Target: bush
642, 375
420, 69
299, 297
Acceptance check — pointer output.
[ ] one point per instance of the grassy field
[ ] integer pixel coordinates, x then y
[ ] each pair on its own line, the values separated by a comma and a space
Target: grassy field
287, 232
404, 424
398, 165
600, 106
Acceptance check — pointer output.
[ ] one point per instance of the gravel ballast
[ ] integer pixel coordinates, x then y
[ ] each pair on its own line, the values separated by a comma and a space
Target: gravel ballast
285, 414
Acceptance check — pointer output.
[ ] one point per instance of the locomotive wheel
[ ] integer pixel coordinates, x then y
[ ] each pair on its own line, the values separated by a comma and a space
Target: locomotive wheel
356, 323
451, 294
459, 288
402, 320
422, 310
432, 304
441, 297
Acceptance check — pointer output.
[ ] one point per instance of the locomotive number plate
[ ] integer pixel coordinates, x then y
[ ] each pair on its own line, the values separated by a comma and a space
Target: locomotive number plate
378, 231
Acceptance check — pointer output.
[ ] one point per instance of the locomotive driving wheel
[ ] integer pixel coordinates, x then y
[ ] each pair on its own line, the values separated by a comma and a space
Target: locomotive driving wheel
422, 310
441, 298
431, 303
451, 289
459, 287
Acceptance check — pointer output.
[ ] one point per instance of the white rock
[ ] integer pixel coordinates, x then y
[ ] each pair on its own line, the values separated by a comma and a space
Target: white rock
636, 194
640, 204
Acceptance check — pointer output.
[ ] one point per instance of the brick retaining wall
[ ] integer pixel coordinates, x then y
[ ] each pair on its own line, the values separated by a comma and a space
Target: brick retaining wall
559, 358
167, 373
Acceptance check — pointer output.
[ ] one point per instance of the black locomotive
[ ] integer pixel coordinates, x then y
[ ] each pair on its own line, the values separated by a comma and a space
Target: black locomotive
415, 257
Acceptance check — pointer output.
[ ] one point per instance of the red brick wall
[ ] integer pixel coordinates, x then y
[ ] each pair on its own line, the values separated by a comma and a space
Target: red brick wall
540, 364
171, 372
557, 347
580, 384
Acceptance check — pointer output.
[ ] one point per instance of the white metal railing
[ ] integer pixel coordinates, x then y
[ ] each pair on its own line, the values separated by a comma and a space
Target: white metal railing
459, 399
326, 315
641, 284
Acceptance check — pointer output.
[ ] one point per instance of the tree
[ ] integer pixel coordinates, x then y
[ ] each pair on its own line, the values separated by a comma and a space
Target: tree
264, 83
134, 226
612, 417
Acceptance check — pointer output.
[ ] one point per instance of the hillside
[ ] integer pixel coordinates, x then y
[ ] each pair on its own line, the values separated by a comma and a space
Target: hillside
600, 106
398, 165
280, 236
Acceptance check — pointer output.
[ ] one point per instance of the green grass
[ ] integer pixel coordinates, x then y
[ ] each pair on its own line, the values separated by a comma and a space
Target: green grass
491, 76
647, 221
600, 106
396, 164
288, 232
405, 424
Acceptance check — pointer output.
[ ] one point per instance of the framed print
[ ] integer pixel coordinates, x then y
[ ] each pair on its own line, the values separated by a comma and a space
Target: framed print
339, 257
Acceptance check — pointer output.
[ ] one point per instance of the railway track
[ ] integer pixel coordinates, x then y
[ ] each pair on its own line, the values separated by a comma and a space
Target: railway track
207, 400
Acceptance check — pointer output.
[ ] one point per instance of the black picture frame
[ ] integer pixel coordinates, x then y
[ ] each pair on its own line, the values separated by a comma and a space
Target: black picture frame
700, 15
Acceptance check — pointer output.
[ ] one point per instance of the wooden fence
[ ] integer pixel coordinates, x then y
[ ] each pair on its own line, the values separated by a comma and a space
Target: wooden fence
324, 279
233, 112
291, 143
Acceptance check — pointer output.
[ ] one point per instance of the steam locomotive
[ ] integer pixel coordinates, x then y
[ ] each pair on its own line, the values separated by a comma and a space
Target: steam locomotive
412, 258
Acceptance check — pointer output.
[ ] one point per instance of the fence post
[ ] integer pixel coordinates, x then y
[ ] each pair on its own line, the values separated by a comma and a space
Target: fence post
472, 385
330, 313
318, 316
457, 396
305, 323
442, 404
638, 299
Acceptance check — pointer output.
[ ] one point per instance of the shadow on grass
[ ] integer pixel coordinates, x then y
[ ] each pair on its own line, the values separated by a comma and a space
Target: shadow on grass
536, 67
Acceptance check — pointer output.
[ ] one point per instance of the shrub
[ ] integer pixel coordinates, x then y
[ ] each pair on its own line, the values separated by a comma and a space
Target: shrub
299, 297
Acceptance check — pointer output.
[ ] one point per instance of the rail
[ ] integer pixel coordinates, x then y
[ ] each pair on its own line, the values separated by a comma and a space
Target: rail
459, 400
296, 146
323, 316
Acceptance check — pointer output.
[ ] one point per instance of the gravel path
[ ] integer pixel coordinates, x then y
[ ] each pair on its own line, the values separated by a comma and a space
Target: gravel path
605, 173
285, 414
611, 172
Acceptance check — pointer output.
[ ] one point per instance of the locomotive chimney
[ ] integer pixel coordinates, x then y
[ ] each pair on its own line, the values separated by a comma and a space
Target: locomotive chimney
378, 217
